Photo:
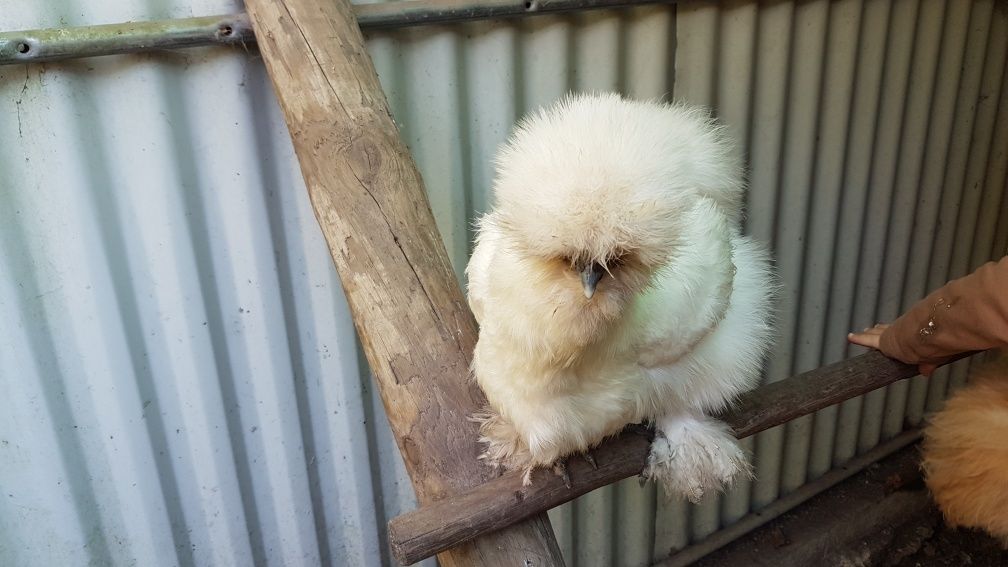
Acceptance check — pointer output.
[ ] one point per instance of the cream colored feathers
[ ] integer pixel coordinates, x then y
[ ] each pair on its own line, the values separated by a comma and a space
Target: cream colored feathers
612, 286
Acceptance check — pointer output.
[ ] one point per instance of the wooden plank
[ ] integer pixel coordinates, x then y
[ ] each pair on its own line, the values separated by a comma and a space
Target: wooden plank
408, 309
504, 500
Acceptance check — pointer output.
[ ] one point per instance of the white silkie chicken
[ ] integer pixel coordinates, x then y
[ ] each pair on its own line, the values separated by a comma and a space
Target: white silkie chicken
613, 286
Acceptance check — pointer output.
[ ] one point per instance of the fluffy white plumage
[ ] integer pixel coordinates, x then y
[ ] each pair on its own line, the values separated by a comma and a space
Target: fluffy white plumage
646, 199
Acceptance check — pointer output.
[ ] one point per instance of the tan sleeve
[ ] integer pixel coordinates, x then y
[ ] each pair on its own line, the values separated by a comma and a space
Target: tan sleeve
970, 313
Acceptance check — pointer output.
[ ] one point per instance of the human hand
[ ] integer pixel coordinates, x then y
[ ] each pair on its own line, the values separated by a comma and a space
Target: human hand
871, 338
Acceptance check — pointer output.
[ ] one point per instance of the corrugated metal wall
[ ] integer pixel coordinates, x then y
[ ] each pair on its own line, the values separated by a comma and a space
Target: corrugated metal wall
870, 131
181, 380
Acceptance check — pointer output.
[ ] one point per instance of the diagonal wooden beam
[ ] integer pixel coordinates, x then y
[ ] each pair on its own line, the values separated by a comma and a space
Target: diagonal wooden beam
408, 309
502, 501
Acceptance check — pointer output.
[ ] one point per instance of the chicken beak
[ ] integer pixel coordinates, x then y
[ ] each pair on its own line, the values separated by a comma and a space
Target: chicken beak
590, 277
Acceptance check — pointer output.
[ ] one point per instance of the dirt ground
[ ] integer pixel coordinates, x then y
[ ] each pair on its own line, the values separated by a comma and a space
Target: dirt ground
942, 546
881, 517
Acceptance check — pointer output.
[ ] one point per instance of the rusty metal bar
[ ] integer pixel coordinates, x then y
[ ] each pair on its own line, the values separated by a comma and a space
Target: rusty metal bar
35, 46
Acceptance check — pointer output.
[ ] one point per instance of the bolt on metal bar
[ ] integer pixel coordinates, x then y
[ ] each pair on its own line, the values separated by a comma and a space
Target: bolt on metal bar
34, 46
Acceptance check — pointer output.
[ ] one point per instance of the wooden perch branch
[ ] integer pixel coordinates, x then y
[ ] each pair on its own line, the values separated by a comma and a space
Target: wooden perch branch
408, 308
503, 500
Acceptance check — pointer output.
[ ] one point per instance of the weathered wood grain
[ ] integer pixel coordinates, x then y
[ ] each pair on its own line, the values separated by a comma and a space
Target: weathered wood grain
780, 402
418, 334
503, 501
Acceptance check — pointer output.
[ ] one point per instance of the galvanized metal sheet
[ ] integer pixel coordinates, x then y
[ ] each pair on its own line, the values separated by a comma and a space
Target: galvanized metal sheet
182, 381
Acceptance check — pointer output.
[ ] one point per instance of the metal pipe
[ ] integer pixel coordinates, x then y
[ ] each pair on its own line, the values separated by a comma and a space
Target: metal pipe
34, 46
423, 12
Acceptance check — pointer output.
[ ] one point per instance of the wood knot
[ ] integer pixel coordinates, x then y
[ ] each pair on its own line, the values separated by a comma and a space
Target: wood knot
365, 158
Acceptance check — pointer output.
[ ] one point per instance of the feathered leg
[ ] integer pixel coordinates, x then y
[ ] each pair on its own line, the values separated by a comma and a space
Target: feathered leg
693, 454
